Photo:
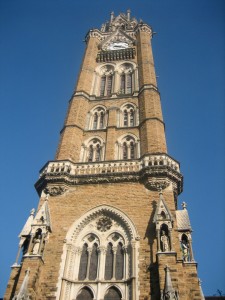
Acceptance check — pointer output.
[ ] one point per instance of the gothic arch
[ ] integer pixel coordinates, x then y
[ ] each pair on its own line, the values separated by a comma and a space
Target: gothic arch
87, 287
101, 225
93, 149
103, 81
132, 119
127, 146
97, 118
116, 287
93, 213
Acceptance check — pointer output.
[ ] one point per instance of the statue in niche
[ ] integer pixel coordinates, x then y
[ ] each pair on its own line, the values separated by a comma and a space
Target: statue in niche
185, 250
36, 246
165, 242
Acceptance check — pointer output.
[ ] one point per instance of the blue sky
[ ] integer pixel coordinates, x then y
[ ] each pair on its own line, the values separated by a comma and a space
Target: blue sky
41, 48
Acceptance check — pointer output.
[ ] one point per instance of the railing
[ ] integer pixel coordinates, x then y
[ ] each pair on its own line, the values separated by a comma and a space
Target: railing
91, 168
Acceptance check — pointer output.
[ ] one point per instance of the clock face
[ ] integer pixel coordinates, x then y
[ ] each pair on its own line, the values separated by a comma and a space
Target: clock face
118, 46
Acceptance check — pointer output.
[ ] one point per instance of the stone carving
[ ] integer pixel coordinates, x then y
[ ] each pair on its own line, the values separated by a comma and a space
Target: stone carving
37, 242
185, 250
104, 224
157, 184
55, 190
165, 242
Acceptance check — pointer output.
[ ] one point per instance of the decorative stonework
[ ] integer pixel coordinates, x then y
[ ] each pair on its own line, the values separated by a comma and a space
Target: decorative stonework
104, 224
55, 190
156, 184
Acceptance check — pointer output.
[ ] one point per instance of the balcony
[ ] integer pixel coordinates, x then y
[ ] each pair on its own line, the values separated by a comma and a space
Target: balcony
154, 166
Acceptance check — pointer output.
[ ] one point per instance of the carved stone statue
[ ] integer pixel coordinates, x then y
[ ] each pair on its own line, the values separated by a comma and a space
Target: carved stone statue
165, 242
36, 241
185, 250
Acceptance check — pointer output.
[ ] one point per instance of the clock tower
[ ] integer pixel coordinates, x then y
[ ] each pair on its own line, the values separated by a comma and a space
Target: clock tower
108, 225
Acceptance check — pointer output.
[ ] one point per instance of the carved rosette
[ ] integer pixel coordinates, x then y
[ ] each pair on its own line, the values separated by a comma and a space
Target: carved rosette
55, 190
104, 224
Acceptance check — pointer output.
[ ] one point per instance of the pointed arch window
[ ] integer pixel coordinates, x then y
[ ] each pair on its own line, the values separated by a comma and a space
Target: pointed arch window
98, 256
128, 116
92, 151
132, 150
119, 262
85, 294
109, 262
95, 121
122, 84
102, 86
126, 72
106, 81
127, 148
97, 118
125, 118
83, 263
113, 294
131, 117
93, 262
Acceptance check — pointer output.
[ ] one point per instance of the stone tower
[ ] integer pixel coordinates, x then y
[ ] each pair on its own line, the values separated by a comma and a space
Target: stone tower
107, 224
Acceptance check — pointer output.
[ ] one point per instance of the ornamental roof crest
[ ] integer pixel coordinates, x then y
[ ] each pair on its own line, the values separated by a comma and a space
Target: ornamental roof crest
116, 37
123, 21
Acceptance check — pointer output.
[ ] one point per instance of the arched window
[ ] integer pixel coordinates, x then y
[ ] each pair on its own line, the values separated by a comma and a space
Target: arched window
93, 262
128, 115
83, 263
85, 294
109, 262
126, 72
100, 250
127, 148
119, 262
89, 259
92, 151
97, 118
106, 80
95, 121
113, 294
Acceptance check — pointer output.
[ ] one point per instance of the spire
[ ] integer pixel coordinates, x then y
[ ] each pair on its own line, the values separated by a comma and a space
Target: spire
43, 216
169, 293
27, 227
162, 209
128, 14
23, 292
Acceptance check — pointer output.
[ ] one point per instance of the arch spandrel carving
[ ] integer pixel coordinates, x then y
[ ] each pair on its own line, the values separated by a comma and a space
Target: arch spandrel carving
117, 216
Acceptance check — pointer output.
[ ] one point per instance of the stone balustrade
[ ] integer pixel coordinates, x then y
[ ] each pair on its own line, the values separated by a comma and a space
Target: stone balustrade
119, 166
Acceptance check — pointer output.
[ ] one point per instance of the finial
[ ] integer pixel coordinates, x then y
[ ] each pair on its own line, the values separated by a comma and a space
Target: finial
199, 282
32, 211
184, 205
111, 16
160, 190
128, 14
